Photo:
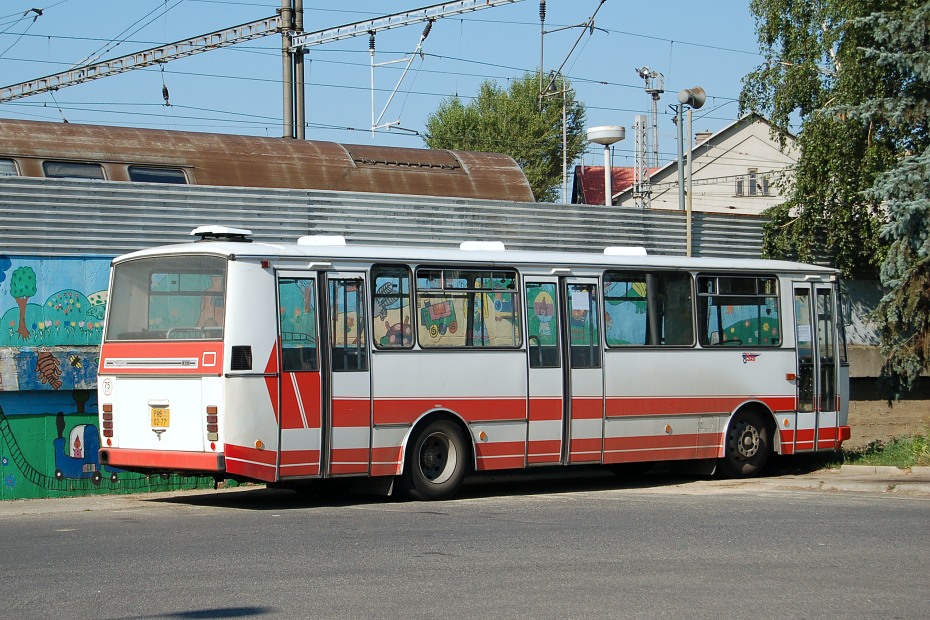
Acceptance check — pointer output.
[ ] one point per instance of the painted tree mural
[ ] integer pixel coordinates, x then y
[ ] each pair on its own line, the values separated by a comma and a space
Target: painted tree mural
22, 287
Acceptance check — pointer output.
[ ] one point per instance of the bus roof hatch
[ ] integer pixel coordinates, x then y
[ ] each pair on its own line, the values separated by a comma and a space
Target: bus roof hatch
222, 233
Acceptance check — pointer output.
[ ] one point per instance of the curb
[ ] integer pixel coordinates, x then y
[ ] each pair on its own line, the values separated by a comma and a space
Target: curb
885, 470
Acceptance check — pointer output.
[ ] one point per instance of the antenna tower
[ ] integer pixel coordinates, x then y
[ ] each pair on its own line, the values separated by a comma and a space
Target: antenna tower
655, 86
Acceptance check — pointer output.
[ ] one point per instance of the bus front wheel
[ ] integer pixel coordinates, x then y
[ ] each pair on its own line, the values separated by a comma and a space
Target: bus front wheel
436, 462
747, 447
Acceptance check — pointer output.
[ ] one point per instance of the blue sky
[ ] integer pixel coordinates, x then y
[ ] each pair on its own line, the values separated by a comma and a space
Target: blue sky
238, 89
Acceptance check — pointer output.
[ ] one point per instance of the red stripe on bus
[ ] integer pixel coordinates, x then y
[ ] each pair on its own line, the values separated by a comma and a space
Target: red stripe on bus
264, 457
348, 468
649, 442
546, 446
503, 448
349, 412
805, 435
149, 355
545, 409
671, 454
169, 460
407, 410
385, 469
271, 366
587, 408
308, 391
251, 463
299, 457
585, 450
391, 454
505, 462
539, 459
681, 405
308, 469
351, 455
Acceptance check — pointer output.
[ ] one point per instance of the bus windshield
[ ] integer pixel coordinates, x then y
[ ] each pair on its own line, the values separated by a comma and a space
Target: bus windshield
169, 297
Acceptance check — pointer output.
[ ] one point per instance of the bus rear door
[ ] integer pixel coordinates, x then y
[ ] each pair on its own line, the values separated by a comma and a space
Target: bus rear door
817, 426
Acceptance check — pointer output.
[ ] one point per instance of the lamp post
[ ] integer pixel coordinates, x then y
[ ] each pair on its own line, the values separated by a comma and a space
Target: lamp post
607, 135
690, 99
552, 91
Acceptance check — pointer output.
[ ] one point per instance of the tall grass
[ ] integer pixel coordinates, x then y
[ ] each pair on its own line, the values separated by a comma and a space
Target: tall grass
906, 451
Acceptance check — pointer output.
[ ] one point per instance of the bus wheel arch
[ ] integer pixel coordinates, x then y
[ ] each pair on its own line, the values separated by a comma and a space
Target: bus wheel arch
437, 457
748, 441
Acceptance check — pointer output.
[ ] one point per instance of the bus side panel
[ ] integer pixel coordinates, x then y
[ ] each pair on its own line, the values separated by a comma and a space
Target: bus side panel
672, 405
251, 416
486, 388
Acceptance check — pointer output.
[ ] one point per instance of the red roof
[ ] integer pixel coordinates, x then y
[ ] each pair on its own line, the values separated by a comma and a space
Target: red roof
589, 183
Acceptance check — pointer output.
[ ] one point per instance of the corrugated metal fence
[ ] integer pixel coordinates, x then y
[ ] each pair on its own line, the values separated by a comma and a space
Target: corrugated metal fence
55, 217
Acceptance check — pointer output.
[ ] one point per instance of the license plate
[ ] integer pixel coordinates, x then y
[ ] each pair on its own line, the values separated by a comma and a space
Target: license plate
161, 417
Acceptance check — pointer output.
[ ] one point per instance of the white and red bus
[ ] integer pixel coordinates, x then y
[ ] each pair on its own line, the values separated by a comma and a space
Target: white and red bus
294, 362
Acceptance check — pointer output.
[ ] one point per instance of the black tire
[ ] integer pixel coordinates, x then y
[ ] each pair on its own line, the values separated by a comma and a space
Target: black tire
96, 477
436, 462
747, 446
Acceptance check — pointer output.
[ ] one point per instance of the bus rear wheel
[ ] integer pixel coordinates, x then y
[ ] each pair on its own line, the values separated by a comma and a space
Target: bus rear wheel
436, 462
747, 447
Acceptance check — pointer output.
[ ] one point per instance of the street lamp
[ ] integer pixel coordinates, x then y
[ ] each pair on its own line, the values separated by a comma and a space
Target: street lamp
692, 99
607, 135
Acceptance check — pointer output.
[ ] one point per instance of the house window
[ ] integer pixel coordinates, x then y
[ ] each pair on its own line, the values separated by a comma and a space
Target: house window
739, 186
765, 186
753, 180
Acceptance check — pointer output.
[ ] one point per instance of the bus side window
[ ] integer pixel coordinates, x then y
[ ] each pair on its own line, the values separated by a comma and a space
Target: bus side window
298, 324
738, 311
349, 347
542, 325
392, 321
584, 332
648, 309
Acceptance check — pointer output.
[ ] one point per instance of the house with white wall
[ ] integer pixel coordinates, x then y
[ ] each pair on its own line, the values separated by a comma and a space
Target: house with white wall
736, 170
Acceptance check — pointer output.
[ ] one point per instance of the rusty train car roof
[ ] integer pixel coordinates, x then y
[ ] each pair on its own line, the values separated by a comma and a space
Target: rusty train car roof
249, 161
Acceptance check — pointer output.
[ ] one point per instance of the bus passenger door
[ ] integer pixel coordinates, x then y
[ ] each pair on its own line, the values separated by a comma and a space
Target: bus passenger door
583, 439
299, 385
347, 382
816, 332
544, 348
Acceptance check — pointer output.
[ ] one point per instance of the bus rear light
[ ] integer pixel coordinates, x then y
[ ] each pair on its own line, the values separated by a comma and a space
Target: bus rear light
108, 420
213, 427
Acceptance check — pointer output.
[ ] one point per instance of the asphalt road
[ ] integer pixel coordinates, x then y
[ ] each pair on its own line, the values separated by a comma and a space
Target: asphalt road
552, 548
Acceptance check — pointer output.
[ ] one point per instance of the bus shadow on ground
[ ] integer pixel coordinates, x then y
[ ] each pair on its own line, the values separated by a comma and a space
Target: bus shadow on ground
547, 481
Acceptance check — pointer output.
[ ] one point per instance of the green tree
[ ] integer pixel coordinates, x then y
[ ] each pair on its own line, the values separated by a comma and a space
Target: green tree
22, 287
854, 75
510, 121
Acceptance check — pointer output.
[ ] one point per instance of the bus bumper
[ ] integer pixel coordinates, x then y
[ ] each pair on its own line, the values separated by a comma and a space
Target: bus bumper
162, 461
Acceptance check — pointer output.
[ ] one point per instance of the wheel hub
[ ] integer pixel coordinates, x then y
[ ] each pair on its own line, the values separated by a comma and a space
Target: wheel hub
749, 441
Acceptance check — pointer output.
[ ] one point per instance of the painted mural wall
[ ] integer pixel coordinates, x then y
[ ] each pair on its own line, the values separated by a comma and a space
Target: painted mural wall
52, 313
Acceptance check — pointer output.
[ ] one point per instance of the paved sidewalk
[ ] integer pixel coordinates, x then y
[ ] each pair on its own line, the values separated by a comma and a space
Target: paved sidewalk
913, 482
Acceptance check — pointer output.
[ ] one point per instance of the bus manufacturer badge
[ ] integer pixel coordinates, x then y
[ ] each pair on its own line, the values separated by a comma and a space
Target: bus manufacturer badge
749, 357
